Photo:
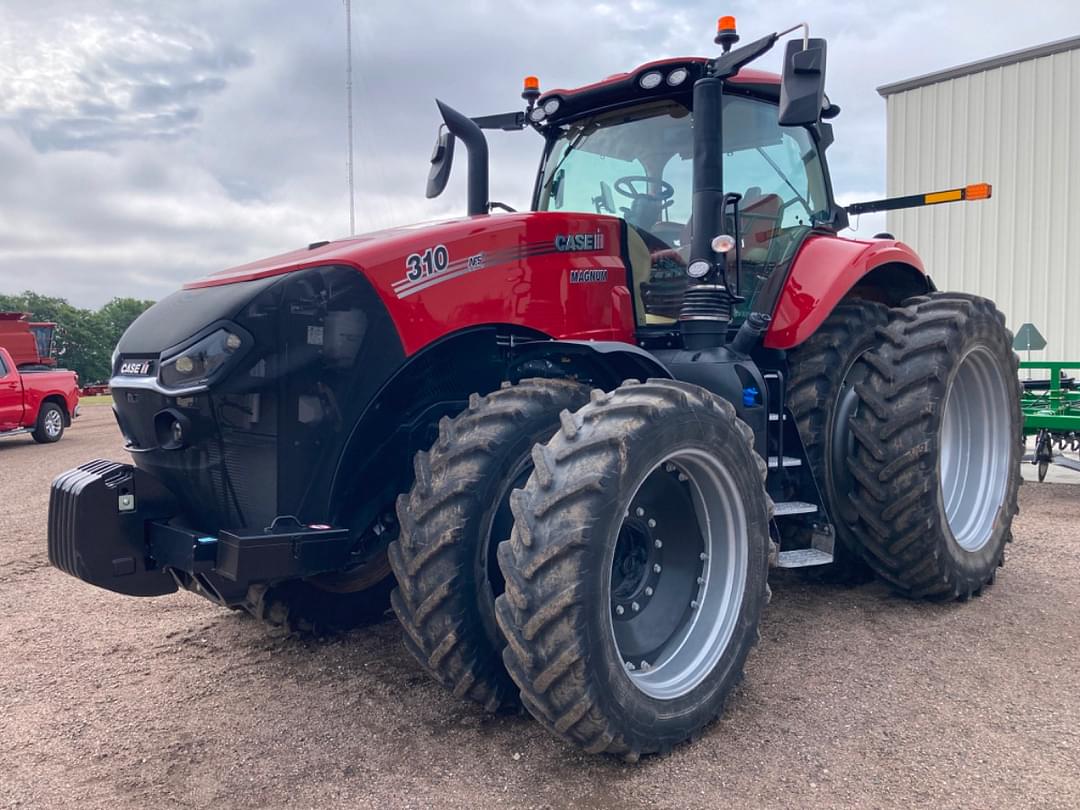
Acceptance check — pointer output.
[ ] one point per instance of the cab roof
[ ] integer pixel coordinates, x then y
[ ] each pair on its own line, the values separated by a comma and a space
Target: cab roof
621, 88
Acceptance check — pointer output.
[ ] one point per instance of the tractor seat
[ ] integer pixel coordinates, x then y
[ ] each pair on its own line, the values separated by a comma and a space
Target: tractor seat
760, 214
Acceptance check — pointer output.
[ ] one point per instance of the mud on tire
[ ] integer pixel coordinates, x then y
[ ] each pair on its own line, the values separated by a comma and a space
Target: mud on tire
451, 521
559, 613
937, 446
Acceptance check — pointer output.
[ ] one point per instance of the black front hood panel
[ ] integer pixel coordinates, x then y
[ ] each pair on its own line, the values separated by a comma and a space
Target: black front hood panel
266, 438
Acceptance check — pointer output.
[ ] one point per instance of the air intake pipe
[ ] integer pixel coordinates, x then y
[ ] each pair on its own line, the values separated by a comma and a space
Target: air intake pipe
465, 129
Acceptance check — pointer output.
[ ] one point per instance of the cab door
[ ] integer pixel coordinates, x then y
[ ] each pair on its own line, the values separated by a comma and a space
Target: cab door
11, 396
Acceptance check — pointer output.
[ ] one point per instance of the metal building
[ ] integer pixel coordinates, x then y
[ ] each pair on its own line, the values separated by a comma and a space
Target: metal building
1012, 121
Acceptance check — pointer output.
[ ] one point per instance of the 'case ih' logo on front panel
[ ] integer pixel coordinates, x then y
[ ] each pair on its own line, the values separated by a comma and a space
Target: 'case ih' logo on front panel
580, 241
137, 368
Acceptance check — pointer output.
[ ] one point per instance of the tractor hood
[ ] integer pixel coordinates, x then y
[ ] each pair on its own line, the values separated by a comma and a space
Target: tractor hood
364, 250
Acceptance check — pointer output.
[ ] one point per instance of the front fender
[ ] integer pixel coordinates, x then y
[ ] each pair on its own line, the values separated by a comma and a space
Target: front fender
609, 361
826, 269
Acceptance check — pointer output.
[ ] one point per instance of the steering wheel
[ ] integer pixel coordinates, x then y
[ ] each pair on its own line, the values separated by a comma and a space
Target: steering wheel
625, 186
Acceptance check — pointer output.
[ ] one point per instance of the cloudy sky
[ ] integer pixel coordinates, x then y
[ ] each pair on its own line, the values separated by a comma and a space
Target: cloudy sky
146, 143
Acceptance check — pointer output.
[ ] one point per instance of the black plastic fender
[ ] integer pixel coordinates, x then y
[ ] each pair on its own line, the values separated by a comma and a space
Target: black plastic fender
606, 362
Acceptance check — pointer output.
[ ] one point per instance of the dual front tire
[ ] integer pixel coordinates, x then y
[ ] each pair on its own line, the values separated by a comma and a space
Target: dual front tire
628, 593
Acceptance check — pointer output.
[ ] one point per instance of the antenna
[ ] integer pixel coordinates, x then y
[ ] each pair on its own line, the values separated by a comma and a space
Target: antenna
349, 116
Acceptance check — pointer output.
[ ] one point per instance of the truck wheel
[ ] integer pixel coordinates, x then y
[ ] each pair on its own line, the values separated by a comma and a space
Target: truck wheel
50, 424
451, 521
821, 397
937, 446
636, 571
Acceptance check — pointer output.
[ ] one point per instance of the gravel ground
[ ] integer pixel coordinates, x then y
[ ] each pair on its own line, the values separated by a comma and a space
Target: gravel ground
853, 698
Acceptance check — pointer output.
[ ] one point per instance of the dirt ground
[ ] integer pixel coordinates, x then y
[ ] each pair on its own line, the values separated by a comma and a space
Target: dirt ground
853, 698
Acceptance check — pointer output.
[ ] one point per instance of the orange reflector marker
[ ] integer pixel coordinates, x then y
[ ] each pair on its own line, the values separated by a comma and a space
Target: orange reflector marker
725, 24
532, 83
951, 195
978, 191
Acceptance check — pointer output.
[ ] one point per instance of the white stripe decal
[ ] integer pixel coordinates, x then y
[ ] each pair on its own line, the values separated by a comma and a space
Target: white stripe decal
406, 287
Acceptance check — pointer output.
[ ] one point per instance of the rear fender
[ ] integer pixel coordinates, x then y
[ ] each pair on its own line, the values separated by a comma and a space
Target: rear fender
828, 269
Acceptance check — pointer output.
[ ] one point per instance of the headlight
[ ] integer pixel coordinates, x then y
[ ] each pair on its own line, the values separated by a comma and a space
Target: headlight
677, 76
698, 269
551, 106
199, 362
650, 80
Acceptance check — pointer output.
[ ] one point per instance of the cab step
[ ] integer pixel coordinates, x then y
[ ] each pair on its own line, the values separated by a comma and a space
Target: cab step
803, 558
784, 508
820, 551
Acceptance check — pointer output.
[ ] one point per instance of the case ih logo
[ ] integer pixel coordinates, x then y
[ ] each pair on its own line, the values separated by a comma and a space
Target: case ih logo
138, 368
580, 241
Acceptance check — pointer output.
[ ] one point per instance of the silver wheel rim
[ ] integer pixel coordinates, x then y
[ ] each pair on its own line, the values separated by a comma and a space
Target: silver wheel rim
975, 448
702, 559
53, 423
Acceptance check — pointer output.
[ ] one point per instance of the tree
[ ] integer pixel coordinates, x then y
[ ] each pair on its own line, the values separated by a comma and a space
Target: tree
84, 338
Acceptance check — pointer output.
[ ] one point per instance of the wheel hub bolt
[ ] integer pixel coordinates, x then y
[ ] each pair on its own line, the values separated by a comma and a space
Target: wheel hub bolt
639, 512
693, 603
657, 568
682, 476
620, 610
649, 591
703, 556
645, 666
701, 580
652, 523
658, 543
630, 666
634, 606
669, 467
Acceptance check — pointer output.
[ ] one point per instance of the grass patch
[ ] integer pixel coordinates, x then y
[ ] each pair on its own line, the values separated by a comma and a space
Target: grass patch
103, 399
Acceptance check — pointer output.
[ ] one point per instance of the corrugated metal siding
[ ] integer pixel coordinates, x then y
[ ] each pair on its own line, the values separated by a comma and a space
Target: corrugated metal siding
1018, 128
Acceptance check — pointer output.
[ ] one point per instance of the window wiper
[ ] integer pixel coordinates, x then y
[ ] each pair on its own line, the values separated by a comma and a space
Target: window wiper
570, 148
782, 176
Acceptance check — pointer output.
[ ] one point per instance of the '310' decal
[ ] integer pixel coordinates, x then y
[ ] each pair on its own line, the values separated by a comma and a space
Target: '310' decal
431, 261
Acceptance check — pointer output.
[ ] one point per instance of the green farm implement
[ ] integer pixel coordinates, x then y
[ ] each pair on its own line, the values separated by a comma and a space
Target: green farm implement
1051, 409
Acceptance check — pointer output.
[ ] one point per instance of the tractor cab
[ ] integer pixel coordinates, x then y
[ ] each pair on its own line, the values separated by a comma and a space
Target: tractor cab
717, 171
629, 152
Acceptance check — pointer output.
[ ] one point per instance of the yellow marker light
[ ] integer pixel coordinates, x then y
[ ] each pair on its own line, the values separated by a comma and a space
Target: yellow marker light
978, 191
943, 196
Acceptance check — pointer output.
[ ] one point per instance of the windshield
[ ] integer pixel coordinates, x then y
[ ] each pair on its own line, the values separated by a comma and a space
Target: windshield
637, 163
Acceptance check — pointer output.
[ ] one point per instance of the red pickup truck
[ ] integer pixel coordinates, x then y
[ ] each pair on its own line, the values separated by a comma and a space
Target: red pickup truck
34, 398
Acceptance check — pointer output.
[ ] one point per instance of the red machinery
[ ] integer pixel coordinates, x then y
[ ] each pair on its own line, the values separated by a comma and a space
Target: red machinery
579, 435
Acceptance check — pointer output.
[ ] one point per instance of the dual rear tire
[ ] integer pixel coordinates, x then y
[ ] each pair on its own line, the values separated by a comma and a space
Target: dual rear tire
936, 447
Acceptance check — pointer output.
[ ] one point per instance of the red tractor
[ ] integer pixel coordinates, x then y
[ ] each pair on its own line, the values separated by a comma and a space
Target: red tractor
576, 437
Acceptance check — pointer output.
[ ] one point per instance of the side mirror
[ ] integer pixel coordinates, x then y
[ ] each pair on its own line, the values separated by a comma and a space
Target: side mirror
802, 89
442, 160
